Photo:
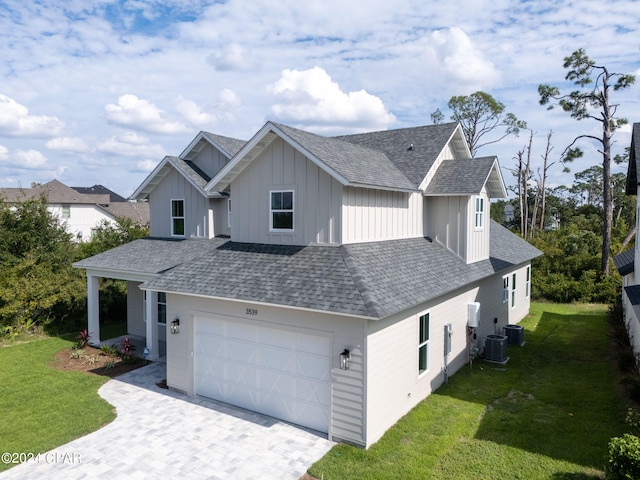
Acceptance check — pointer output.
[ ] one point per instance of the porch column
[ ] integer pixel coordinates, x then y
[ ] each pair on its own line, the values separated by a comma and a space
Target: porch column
93, 309
151, 312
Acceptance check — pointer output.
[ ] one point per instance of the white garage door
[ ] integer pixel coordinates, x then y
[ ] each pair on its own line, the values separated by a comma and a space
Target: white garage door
285, 374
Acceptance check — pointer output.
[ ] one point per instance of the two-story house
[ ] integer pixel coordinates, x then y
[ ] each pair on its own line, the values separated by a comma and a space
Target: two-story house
330, 282
628, 262
81, 210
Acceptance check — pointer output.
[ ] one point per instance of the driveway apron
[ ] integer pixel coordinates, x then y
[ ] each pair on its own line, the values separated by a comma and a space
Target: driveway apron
163, 434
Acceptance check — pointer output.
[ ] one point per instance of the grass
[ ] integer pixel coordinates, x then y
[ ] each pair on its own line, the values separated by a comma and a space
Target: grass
549, 413
41, 406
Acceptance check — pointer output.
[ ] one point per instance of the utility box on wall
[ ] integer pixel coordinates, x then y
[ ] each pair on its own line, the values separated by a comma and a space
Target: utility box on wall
473, 318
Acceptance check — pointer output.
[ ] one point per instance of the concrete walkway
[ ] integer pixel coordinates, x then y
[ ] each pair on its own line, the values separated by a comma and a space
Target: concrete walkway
163, 434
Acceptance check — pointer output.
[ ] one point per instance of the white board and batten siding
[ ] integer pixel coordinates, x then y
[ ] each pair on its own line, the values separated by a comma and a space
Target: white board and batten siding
478, 239
317, 199
210, 160
445, 218
370, 215
82, 219
273, 341
196, 207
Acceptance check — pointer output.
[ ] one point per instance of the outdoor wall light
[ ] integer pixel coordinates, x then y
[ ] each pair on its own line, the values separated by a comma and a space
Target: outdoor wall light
345, 357
175, 326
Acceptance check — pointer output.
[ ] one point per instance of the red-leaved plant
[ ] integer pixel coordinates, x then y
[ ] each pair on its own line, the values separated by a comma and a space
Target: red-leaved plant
127, 348
83, 338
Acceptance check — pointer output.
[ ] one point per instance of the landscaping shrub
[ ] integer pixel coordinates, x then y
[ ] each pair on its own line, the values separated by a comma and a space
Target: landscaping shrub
624, 458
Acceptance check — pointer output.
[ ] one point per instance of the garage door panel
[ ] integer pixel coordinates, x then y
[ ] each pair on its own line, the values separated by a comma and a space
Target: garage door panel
311, 344
212, 345
240, 331
285, 374
313, 367
277, 359
241, 352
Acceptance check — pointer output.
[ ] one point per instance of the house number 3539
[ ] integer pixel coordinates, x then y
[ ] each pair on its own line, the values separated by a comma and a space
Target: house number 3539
251, 311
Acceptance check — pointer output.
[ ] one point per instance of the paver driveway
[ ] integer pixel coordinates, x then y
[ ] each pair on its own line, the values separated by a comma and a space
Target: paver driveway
164, 434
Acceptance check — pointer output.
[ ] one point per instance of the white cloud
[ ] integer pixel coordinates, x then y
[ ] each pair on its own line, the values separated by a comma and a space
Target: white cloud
146, 165
28, 160
68, 144
4, 152
230, 57
134, 112
193, 113
462, 62
131, 144
16, 121
312, 99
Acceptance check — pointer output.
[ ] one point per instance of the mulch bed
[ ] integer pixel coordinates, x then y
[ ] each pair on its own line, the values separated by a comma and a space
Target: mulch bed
94, 361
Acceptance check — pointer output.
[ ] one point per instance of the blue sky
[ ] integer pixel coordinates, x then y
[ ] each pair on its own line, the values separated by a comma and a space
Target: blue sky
98, 91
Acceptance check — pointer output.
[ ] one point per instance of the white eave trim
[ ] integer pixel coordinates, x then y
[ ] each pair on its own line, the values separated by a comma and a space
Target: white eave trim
119, 274
253, 148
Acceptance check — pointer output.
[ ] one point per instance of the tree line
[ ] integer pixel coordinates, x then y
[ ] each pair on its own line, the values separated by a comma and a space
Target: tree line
564, 222
39, 288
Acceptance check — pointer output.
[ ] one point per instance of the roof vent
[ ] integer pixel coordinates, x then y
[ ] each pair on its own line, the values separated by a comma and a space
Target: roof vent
410, 147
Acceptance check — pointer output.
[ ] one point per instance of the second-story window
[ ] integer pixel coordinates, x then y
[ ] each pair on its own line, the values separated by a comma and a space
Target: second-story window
281, 214
177, 217
229, 213
479, 212
66, 211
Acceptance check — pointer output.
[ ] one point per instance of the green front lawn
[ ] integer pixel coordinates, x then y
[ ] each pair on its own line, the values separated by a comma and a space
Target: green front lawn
547, 414
42, 407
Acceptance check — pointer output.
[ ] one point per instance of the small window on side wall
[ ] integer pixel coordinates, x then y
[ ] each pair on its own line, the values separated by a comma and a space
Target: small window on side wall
423, 344
479, 213
281, 211
177, 218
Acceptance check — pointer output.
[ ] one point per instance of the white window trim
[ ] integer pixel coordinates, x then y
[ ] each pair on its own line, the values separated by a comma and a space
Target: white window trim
229, 213
158, 304
513, 290
505, 289
184, 223
479, 213
426, 343
527, 284
65, 211
293, 211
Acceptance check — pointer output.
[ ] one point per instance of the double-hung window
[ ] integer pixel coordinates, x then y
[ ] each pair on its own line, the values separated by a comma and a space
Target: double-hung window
505, 289
66, 211
513, 291
229, 213
423, 344
281, 211
177, 218
527, 284
479, 213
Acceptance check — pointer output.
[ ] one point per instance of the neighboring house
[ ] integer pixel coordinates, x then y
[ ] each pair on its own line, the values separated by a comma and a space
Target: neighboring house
81, 209
628, 262
330, 282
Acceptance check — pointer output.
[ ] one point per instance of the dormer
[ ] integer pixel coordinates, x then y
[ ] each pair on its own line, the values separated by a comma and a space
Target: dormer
457, 210
180, 205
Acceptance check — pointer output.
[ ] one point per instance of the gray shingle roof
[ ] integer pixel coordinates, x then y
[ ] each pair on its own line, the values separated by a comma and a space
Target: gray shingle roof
359, 165
428, 141
625, 262
150, 256
191, 171
228, 144
461, 177
368, 279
